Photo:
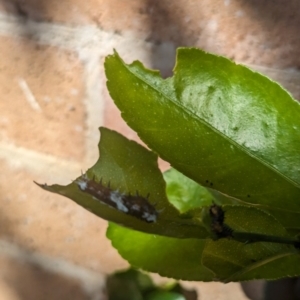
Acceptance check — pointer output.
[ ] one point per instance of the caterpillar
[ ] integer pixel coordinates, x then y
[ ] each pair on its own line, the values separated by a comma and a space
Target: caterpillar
134, 205
217, 222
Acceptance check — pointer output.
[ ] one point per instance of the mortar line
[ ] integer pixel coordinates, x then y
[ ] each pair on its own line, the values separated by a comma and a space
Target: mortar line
39, 163
87, 42
92, 282
29, 97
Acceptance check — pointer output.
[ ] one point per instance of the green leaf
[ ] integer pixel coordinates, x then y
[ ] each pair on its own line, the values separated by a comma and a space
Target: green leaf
221, 124
186, 195
132, 284
163, 295
235, 261
128, 285
171, 257
129, 167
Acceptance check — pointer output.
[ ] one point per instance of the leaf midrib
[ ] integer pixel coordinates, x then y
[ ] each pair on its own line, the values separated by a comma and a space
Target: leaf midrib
198, 119
259, 264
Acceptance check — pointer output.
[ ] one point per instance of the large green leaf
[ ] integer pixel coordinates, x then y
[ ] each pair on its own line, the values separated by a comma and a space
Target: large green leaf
221, 124
176, 258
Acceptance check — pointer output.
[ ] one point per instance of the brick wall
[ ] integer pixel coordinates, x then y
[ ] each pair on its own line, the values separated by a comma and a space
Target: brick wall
54, 98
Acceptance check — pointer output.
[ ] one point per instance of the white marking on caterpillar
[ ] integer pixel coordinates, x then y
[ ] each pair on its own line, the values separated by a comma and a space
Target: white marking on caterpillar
82, 184
136, 206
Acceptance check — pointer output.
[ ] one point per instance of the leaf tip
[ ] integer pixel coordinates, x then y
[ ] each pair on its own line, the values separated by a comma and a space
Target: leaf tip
40, 184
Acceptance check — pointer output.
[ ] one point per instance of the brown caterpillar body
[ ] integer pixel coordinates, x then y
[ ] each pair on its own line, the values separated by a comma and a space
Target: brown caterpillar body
134, 205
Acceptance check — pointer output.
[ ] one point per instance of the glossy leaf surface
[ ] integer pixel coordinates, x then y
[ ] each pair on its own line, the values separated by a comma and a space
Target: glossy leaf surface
176, 258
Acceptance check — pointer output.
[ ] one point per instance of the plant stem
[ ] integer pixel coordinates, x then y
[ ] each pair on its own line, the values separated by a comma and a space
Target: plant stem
247, 237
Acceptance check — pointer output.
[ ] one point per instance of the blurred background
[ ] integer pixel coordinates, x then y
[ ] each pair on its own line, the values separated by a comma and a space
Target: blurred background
53, 98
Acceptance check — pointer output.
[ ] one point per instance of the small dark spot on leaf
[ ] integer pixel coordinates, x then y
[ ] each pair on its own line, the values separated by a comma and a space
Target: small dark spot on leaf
248, 196
211, 184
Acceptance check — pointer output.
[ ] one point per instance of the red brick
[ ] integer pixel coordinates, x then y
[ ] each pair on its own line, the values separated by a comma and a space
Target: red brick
257, 32
47, 223
53, 121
